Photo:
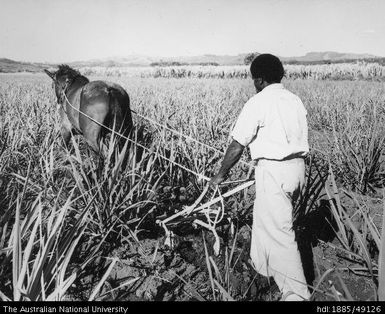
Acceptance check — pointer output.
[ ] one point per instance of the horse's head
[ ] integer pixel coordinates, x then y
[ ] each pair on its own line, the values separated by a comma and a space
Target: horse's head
62, 79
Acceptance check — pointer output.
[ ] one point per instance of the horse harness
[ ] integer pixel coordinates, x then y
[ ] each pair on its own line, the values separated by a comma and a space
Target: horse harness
62, 96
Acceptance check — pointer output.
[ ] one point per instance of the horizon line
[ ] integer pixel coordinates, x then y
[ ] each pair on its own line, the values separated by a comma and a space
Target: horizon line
186, 56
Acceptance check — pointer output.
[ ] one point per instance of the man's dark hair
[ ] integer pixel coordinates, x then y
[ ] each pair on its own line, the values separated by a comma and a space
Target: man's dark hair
267, 67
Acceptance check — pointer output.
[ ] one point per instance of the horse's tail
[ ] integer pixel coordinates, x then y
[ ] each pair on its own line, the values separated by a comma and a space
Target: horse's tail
120, 113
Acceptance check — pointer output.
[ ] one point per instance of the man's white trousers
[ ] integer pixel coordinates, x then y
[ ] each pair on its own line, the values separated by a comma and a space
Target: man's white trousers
274, 250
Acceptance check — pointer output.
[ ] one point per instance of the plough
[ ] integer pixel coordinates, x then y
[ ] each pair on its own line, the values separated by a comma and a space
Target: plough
206, 210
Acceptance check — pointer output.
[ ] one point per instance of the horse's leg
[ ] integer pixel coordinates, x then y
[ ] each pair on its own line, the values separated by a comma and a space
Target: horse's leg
92, 140
66, 128
91, 134
66, 135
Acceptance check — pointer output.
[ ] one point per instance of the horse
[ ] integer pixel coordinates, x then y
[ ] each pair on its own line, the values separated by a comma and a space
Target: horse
90, 108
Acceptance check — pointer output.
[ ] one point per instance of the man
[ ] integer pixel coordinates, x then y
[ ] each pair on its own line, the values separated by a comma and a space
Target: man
273, 124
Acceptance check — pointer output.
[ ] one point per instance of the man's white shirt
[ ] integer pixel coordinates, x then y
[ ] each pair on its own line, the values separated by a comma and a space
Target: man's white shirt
273, 124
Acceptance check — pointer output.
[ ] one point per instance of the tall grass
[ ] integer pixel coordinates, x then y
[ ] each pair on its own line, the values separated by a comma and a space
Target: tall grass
51, 242
62, 215
342, 71
61, 212
381, 261
359, 137
359, 232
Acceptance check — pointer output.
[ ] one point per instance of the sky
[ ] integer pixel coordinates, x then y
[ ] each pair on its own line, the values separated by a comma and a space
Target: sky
75, 30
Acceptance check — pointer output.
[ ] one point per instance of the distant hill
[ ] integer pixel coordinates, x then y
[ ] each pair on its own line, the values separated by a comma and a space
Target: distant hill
8, 65
141, 60
328, 56
132, 60
11, 66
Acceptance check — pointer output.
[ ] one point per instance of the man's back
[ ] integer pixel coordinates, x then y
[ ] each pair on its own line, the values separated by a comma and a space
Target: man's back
273, 124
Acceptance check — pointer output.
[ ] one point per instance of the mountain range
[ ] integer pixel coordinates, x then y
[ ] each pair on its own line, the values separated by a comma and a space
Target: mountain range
141, 60
8, 65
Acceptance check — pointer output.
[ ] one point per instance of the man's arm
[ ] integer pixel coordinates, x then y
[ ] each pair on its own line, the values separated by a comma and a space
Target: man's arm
233, 154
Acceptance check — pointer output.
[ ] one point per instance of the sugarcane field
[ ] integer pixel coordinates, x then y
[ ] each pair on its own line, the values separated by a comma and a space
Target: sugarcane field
145, 181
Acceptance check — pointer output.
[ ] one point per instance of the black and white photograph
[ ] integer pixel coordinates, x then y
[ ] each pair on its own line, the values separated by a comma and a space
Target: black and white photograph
181, 151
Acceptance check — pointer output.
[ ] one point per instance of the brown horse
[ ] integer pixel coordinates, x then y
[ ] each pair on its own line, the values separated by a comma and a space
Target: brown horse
105, 102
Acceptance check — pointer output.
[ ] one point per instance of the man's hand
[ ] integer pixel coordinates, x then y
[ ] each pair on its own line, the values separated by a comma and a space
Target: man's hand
216, 180
233, 153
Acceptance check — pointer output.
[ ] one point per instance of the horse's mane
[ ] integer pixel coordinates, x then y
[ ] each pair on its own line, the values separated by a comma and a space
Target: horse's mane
66, 70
